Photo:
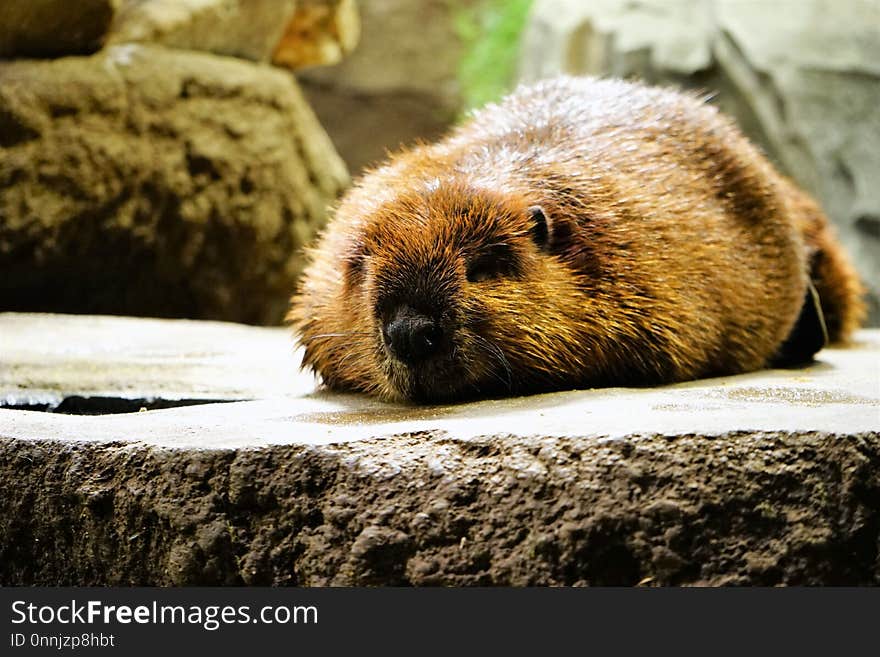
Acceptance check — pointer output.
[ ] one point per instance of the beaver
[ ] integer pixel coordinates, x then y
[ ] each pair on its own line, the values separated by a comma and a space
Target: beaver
581, 232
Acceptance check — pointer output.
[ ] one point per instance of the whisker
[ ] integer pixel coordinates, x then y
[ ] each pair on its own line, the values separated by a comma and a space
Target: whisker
334, 335
496, 351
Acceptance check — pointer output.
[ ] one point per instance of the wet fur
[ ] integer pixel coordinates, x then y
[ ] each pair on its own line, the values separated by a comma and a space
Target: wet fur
674, 251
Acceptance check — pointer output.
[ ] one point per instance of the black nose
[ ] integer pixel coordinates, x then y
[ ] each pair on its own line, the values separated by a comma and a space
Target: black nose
412, 337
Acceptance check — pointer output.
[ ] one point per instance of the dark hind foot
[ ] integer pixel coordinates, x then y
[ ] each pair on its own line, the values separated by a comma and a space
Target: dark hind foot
808, 336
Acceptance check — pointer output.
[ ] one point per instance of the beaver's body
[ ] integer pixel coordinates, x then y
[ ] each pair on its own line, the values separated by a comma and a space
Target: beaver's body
579, 233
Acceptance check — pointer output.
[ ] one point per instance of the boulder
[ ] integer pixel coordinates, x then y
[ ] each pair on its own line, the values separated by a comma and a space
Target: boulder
243, 28
53, 28
801, 78
320, 33
157, 182
289, 33
768, 478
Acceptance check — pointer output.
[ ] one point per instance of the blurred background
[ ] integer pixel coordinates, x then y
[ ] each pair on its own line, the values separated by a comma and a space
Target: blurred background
172, 157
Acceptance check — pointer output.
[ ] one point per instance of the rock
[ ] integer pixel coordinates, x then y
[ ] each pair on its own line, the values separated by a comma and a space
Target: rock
398, 85
53, 28
289, 33
320, 33
810, 74
242, 28
801, 78
155, 182
766, 478
609, 37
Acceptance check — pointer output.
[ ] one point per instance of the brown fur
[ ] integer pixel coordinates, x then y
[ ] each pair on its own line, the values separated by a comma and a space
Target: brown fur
675, 251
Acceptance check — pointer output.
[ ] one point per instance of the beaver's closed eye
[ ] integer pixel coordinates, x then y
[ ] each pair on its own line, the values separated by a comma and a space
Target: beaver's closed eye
496, 261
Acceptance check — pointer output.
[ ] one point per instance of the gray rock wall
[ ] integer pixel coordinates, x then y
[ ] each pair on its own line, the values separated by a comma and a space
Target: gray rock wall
802, 79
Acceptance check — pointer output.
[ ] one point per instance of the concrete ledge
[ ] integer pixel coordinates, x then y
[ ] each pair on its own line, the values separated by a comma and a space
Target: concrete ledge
767, 478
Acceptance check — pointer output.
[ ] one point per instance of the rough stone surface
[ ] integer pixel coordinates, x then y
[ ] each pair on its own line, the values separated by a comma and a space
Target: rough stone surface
53, 28
320, 33
400, 83
241, 28
126, 357
801, 78
767, 478
155, 182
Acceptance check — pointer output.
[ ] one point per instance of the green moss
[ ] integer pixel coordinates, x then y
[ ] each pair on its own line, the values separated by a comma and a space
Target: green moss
490, 31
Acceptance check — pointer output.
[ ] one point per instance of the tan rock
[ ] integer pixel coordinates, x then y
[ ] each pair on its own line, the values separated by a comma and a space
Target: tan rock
149, 181
242, 28
320, 33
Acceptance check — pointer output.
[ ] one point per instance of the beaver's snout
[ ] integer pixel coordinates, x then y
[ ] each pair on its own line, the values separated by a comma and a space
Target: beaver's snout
412, 337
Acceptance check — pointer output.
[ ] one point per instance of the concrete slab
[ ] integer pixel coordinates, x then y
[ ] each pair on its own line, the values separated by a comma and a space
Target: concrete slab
771, 477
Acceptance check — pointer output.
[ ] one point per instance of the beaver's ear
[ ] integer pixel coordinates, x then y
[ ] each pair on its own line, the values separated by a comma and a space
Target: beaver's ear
539, 229
549, 232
